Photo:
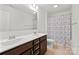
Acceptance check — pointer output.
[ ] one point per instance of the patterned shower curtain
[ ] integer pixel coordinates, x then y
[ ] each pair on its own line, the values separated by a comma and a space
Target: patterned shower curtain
59, 28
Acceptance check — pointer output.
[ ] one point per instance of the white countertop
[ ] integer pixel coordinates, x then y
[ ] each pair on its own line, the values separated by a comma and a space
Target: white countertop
9, 44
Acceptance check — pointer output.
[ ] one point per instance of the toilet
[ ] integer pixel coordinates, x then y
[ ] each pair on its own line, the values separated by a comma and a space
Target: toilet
50, 43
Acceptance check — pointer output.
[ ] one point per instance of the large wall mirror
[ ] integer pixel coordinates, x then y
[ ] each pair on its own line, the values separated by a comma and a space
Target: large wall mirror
17, 20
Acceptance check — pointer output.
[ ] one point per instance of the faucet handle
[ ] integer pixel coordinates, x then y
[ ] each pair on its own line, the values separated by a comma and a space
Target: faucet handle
11, 37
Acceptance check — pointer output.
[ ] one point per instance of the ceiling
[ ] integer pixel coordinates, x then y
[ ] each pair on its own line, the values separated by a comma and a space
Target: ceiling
21, 7
50, 8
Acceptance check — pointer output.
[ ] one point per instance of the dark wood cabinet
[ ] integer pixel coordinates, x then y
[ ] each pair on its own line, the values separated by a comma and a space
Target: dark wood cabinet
36, 47
43, 47
19, 50
28, 52
37, 52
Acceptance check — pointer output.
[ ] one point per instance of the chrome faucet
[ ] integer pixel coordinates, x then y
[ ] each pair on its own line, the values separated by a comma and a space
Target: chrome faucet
11, 37
35, 32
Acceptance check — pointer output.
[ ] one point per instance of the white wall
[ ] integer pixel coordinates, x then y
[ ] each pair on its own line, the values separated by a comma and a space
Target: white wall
19, 22
75, 29
42, 21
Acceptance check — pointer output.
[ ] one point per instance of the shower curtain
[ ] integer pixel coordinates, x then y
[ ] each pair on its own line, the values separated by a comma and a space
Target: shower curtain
59, 28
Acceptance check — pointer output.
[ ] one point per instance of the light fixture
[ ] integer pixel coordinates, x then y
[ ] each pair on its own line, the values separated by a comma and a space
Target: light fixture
34, 7
55, 6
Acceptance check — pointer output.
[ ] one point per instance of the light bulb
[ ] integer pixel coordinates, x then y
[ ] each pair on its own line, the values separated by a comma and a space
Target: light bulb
55, 6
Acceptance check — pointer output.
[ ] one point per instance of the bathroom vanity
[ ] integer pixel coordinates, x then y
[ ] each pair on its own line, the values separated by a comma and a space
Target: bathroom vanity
35, 46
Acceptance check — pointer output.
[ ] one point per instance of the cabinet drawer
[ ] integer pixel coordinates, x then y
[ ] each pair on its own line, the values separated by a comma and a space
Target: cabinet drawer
43, 38
36, 41
18, 50
36, 47
36, 52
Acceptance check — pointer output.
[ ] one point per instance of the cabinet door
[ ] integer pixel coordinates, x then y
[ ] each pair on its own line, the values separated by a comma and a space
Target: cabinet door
28, 52
43, 38
43, 47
